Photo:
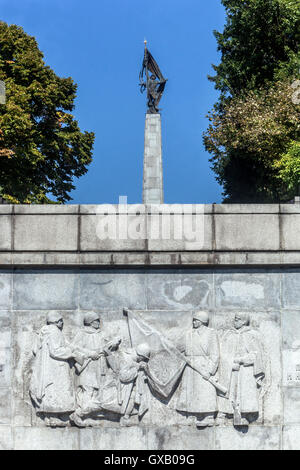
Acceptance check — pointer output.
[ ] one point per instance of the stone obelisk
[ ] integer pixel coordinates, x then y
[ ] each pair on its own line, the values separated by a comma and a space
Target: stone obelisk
153, 173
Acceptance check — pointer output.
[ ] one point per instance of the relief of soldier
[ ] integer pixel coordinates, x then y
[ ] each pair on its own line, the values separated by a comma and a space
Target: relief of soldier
242, 370
91, 374
198, 395
214, 378
51, 387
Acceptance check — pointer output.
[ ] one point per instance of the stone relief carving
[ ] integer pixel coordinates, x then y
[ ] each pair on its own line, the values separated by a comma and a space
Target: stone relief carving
210, 378
242, 370
51, 386
198, 393
92, 374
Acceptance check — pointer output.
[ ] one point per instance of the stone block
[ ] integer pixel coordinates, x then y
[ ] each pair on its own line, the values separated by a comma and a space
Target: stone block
5, 367
180, 438
5, 232
291, 437
100, 209
114, 232
290, 230
46, 258
152, 195
180, 290
46, 232
5, 289
46, 438
247, 232
290, 320
45, 289
291, 405
246, 209
247, 290
6, 208
248, 438
5, 259
291, 288
290, 258
6, 438
179, 232
114, 438
290, 208
291, 366
40, 209
5, 407
112, 289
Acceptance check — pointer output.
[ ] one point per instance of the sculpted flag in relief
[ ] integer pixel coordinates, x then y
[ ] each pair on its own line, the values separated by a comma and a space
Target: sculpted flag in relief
166, 363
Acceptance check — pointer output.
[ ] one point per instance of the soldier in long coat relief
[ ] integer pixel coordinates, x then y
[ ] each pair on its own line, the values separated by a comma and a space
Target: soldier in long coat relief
242, 371
198, 396
51, 386
92, 374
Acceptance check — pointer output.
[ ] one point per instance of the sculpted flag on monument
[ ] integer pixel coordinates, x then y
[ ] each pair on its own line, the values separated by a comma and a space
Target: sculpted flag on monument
166, 364
150, 65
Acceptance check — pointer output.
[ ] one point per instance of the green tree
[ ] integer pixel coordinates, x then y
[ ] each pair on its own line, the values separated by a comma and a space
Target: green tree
259, 61
253, 134
42, 148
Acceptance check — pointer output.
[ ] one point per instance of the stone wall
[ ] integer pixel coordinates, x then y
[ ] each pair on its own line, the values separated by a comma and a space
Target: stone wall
52, 260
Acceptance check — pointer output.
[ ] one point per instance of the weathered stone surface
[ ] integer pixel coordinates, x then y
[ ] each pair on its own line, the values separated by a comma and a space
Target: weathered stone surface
5, 289
42, 289
45, 232
98, 288
291, 366
46, 439
247, 232
5, 232
179, 232
246, 290
183, 290
54, 209
291, 405
111, 232
114, 438
233, 234
153, 176
291, 288
290, 329
252, 438
46, 259
166, 298
290, 227
6, 438
291, 437
178, 438
247, 208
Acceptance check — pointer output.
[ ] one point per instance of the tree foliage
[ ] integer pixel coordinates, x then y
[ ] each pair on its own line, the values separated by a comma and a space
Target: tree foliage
41, 146
255, 119
248, 140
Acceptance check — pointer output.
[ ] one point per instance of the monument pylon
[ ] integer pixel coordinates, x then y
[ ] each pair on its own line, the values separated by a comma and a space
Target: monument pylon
154, 82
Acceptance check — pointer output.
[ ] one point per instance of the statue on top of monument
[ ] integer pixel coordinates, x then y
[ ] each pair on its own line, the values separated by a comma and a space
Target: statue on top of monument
155, 83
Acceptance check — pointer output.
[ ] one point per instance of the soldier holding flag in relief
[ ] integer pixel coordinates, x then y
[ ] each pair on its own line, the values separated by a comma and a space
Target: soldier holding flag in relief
197, 394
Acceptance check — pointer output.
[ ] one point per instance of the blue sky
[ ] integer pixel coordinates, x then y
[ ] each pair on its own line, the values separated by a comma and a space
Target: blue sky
99, 43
